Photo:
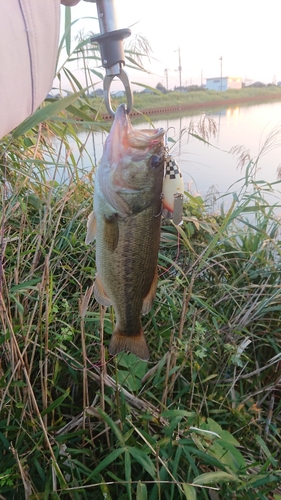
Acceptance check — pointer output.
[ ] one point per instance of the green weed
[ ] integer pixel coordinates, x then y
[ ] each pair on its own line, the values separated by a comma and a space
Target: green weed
201, 419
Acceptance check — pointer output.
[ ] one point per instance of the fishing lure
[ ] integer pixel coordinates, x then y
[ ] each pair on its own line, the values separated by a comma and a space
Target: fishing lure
173, 189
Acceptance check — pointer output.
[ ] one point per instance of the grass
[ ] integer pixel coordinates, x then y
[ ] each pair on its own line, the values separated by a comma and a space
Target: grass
201, 419
198, 98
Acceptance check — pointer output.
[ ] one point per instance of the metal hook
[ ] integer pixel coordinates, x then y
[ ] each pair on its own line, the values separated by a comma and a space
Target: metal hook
106, 90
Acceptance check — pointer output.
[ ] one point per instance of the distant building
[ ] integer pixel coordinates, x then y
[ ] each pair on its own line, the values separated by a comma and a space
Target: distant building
224, 83
257, 84
117, 93
95, 93
147, 91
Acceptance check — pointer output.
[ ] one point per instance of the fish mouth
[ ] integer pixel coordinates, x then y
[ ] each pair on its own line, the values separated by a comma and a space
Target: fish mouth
124, 140
125, 162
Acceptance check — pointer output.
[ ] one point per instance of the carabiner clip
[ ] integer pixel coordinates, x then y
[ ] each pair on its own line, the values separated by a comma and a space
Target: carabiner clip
106, 90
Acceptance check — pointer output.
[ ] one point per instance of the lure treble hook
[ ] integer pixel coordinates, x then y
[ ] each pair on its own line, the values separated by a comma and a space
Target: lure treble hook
112, 51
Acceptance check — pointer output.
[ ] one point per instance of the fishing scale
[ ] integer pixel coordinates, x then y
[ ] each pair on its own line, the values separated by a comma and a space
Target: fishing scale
110, 41
173, 189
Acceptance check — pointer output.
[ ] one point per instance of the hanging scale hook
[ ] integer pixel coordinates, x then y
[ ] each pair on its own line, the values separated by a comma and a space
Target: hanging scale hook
112, 51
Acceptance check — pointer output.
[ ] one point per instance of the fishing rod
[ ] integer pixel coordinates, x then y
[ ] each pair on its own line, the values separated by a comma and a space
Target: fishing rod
110, 41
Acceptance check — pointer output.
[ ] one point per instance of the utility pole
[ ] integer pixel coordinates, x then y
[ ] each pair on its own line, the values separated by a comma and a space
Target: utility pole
167, 83
221, 71
179, 68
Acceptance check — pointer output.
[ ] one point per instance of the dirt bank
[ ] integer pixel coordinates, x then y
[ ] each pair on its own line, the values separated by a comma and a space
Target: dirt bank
208, 104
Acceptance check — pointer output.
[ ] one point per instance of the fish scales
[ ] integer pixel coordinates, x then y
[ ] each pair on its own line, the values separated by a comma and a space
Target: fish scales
130, 269
126, 223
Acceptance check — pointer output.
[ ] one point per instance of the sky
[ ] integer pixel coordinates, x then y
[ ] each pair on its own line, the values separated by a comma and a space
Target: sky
245, 33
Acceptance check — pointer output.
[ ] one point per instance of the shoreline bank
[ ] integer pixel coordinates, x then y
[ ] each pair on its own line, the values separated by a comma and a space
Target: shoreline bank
200, 105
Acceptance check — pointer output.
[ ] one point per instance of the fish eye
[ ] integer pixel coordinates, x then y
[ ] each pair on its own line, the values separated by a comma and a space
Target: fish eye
155, 161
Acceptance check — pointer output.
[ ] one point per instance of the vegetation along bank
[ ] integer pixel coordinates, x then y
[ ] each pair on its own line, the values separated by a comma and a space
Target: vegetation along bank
201, 420
153, 103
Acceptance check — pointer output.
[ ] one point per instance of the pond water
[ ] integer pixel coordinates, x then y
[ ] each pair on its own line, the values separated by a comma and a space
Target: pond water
213, 166
242, 127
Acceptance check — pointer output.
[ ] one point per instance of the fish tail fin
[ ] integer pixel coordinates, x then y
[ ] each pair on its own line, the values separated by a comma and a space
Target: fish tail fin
133, 343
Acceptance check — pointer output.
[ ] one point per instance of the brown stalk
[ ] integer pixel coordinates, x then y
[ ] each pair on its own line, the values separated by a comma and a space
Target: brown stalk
172, 360
103, 371
83, 307
24, 476
44, 368
31, 393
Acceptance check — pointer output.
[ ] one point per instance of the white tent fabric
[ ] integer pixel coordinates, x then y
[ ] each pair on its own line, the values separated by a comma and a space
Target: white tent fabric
29, 35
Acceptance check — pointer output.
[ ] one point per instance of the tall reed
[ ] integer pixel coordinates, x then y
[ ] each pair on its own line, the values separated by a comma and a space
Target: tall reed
201, 419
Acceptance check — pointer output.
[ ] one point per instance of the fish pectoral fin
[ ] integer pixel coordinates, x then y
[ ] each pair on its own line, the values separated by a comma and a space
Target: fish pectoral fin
149, 299
111, 232
132, 343
91, 228
100, 294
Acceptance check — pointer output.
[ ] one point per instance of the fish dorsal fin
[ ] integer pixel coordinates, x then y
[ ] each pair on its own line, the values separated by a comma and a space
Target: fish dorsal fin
91, 228
100, 294
111, 232
148, 300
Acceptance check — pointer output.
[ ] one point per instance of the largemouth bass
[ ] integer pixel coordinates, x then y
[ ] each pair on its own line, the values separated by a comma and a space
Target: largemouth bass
126, 224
